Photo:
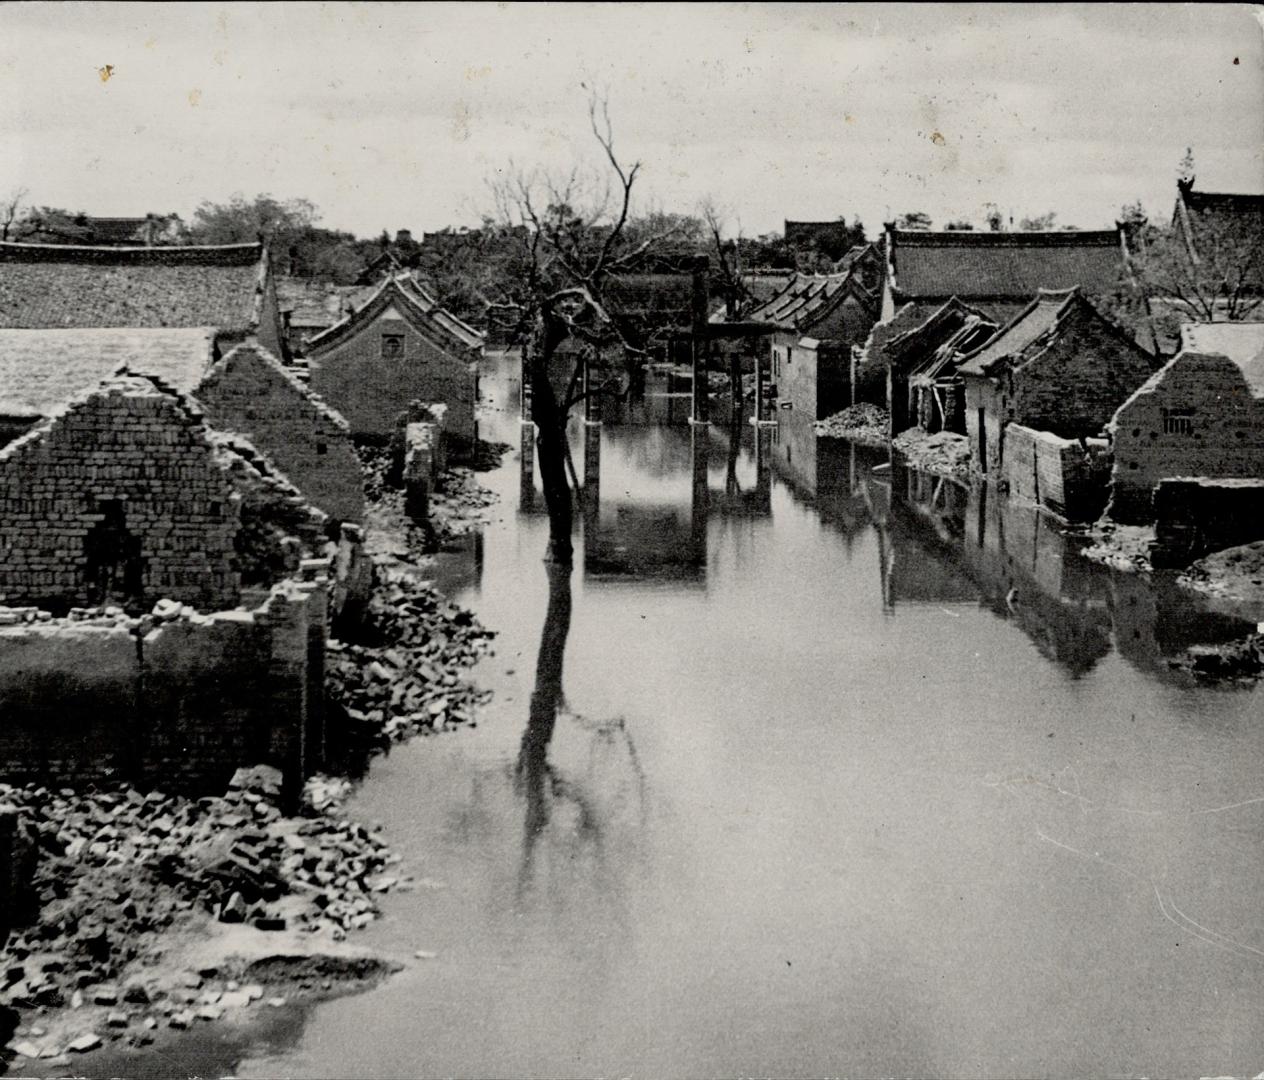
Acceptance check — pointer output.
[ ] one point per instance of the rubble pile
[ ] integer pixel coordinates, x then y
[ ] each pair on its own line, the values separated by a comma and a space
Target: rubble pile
945, 452
862, 423
118, 867
402, 680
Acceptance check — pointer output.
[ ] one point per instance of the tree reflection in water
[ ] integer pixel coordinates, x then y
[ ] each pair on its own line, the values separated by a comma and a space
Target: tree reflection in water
540, 782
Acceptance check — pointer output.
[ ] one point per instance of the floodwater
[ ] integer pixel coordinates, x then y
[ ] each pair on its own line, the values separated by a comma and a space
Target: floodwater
852, 772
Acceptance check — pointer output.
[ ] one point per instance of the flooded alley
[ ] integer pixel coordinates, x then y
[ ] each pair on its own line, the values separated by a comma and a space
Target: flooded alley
853, 771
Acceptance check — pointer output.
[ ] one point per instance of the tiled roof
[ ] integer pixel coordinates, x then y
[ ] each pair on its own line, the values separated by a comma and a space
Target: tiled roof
315, 305
57, 285
460, 330
1032, 331
1228, 208
441, 326
806, 299
40, 369
1001, 266
947, 333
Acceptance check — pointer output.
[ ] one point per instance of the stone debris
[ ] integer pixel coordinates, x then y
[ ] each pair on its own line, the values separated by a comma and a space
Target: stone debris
117, 867
84, 1043
945, 453
862, 423
405, 682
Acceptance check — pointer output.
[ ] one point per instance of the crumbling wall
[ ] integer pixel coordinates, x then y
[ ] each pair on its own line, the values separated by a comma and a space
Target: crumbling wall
175, 699
1197, 417
119, 497
250, 392
1195, 516
1067, 476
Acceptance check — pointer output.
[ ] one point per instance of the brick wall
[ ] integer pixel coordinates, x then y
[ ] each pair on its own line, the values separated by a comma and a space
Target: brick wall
370, 390
1062, 475
1224, 435
178, 704
1074, 386
248, 391
125, 478
1195, 516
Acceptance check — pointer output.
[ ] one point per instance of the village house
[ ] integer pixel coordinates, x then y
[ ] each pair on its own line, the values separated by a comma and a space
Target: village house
401, 346
1200, 415
247, 391
1058, 367
818, 318
996, 273
125, 496
229, 288
923, 387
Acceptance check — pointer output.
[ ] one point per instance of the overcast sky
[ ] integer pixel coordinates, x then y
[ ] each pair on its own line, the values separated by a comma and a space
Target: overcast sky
395, 116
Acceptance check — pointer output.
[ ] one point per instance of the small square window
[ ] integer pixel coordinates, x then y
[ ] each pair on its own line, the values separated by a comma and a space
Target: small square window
392, 346
322, 448
1178, 421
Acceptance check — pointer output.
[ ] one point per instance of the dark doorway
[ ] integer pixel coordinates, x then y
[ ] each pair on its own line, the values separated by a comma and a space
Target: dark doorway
113, 568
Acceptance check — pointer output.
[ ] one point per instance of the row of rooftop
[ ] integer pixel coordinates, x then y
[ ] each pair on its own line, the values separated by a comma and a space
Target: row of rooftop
984, 334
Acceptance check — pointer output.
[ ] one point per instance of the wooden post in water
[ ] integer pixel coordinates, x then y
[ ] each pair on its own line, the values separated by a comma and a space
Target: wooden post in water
701, 389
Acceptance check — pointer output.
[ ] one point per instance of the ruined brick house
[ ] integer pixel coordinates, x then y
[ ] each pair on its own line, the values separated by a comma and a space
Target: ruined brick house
1059, 366
814, 322
125, 496
1200, 415
924, 388
229, 288
247, 391
400, 346
250, 392
997, 274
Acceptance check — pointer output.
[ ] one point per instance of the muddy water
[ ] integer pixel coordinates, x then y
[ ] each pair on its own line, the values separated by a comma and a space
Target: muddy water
853, 772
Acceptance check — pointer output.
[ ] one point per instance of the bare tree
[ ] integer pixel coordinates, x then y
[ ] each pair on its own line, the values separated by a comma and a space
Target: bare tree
575, 234
1215, 275
11, 212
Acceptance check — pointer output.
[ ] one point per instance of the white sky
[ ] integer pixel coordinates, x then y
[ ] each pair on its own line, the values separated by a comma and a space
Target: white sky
395, 116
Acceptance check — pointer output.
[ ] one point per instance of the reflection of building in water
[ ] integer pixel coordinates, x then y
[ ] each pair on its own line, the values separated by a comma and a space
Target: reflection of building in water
829, 475
1028, 570
1156, 621
919, 534
638, 532
645, 492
